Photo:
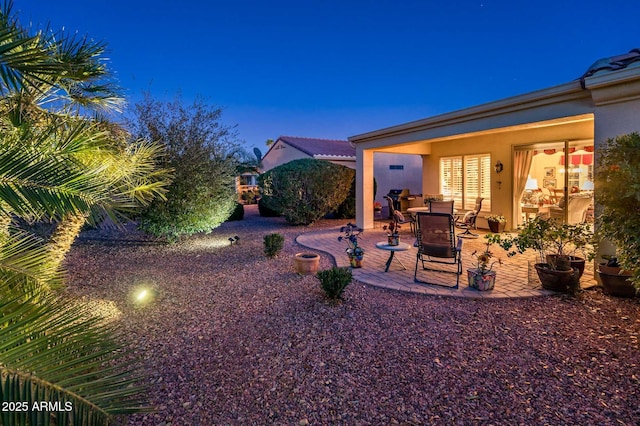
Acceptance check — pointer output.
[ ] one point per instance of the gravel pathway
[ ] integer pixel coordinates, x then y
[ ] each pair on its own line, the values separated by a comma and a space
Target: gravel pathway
235, 338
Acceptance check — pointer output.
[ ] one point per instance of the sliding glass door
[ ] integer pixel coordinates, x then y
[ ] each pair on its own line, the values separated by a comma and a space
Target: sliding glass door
554, 180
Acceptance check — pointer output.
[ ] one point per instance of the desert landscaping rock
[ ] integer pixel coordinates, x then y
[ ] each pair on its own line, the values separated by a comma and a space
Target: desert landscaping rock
235, 338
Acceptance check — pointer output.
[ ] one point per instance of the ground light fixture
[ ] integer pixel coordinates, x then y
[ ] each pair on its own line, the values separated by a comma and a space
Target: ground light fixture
143, 295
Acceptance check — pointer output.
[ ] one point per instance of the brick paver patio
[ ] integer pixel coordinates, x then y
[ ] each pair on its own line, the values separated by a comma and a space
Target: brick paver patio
515, 277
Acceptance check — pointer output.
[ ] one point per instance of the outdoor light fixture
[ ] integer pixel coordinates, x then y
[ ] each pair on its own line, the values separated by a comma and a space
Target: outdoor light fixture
143, 296
234, 239
498, 168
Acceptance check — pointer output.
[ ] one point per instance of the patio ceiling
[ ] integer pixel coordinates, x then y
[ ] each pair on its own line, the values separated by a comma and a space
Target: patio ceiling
555, 130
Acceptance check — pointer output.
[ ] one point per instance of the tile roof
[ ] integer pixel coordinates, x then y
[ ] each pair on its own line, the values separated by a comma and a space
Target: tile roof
321, 147
612, 63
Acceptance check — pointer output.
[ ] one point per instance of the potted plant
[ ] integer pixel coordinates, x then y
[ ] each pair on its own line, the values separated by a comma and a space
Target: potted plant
377, 206
482, 277
558, 267
393, 237
616, 193
496, 222
615, 280
354, 251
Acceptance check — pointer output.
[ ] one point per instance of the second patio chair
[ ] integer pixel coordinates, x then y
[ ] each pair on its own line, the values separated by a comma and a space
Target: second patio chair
437, 243
441, 206
468, 221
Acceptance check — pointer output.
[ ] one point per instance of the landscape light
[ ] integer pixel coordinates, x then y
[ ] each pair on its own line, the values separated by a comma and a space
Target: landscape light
143, 296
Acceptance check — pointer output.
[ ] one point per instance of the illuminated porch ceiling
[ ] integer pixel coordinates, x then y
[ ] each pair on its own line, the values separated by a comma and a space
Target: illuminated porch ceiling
558, 129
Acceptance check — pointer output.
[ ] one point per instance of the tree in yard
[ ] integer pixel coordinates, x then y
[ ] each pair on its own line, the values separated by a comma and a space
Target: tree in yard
202, 151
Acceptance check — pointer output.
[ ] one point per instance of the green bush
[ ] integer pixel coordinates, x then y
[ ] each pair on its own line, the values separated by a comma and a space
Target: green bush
249, 197
334, 281
347, 210
273, 244
237, 214
267, 207
305, 190
199, 148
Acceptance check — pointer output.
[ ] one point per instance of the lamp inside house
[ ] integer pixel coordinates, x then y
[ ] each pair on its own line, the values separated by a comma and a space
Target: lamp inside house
531, 185
587, 185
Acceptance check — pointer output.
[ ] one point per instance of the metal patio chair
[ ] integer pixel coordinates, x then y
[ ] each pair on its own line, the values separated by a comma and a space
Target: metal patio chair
437, 243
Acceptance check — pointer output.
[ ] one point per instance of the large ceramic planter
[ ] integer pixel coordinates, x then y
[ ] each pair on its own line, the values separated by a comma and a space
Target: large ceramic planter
616, 282
356, 261
555, 280
573, 262
307, 263
393, 240
480, 281
496, 227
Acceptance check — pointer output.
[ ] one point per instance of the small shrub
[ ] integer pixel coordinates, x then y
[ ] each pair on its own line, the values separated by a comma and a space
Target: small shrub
266, 208
334, 281
273, 244
237, 214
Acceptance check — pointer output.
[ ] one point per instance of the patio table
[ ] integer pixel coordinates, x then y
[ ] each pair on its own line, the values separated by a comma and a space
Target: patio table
382, 245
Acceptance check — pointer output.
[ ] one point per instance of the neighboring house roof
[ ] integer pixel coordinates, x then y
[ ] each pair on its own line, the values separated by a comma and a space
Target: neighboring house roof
321, 148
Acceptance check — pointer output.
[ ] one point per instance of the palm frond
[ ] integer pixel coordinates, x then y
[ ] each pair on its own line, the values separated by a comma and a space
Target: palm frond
56, 352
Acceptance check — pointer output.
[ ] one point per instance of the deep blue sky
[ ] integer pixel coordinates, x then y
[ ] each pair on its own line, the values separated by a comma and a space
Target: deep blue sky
336, 68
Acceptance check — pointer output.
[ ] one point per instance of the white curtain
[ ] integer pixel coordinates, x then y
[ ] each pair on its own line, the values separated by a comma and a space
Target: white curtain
521, 166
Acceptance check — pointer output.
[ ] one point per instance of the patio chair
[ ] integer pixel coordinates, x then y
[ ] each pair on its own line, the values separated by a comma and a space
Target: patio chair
400, 219
441, 206
437, 243
468, 221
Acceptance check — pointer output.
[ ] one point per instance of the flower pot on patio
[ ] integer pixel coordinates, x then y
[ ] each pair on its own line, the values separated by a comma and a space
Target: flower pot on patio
616, 282
554, 279
356, 260
480, 281
307, 263
393, 240
571, 262
496, 227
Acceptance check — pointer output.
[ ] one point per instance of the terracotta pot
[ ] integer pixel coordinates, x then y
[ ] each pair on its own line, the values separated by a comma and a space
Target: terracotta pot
572, 262
616, 284
555, 280
307, 263
479, 281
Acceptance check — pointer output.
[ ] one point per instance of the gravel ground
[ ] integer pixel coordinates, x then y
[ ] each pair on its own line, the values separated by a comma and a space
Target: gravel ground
235, 338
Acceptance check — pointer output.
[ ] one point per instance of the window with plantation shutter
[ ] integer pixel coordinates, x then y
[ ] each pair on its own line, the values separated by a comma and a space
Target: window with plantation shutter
463, 179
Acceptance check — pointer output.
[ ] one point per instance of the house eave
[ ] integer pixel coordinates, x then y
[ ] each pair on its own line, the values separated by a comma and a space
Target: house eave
567, 92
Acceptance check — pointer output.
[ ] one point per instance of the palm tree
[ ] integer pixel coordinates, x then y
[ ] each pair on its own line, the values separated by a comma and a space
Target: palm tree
60, 161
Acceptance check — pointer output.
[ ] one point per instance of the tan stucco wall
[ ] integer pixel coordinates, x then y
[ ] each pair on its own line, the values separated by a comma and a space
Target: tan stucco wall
279, 154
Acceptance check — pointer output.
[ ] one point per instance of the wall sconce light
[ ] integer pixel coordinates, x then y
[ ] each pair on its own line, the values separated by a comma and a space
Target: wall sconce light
498, 168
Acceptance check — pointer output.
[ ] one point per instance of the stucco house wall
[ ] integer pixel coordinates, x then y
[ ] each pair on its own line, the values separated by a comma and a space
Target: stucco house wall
281, 153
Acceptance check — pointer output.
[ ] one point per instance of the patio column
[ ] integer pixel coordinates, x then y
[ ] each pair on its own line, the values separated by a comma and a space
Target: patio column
364, 187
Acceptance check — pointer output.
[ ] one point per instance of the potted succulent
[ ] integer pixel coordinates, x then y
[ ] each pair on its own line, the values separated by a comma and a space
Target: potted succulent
558, 267
617, 181
496, 222
393, 237
482, 277
354, 251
